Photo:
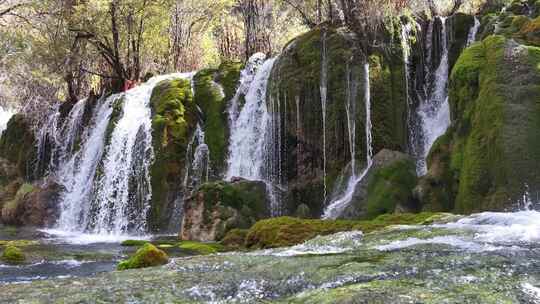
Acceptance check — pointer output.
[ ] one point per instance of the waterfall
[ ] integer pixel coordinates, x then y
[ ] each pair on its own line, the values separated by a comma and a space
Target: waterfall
411, 115
324, 92
123, 192
77, 175
473, 31
104, 168
336, 207
246, 78
256, 134
5, 116
434, 112
248, 132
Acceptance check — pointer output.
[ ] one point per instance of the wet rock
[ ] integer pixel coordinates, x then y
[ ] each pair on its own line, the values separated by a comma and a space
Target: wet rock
215, 208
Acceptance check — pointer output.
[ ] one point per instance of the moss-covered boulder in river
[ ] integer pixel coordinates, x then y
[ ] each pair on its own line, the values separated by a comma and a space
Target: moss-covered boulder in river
12, 255
147, 256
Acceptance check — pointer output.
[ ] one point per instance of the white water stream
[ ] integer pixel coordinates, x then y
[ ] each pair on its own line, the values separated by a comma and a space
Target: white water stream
434, 112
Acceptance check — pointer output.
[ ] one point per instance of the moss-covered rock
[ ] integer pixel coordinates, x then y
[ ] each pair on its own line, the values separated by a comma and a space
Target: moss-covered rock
200, 248
288, 231
12, 255
147, 256
235, 239
491, 155
133, 243
213, 89
217, 207
174, 117
17, 146
387, 185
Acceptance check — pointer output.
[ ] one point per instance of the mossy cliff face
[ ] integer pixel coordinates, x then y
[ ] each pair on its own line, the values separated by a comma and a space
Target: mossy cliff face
215, 208
213, 89
17, 146
173, 121
491, 154
295, 89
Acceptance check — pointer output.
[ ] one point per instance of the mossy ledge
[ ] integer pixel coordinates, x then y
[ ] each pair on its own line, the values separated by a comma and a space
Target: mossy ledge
288, 231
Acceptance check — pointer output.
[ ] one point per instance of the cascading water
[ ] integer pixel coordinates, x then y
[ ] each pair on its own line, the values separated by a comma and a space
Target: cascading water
434, 112
5, 116
324, 92
77, 175
246, 148
336, 207
123, 191
473, 32
106, 180
253, 131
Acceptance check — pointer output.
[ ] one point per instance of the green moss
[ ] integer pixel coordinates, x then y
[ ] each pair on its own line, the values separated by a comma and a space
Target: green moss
18, 243
133, 243
235, 238
212, 100
12, 255
229, 76
390, 186
201, 248
146, 256
235, 195
173, 121
492, 149
288, 231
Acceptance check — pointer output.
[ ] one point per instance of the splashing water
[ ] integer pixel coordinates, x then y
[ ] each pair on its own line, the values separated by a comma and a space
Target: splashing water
336, 207
320, 245
435, 111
